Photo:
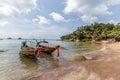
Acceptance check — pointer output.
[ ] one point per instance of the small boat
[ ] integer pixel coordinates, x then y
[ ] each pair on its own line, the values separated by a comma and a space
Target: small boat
45, 47
27, 50
48, 49
31, 51
9, 38
19, 38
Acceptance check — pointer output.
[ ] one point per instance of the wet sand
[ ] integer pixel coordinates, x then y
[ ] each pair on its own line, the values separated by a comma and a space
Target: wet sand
104, 65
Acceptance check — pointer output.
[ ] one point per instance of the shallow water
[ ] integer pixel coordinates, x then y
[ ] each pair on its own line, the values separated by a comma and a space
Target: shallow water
15, 67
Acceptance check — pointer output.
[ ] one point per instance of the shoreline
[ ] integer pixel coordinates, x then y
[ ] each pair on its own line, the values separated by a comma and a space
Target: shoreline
103, 66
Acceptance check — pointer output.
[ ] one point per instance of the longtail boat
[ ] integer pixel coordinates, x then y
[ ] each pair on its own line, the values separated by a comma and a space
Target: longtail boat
31, 51
48, 49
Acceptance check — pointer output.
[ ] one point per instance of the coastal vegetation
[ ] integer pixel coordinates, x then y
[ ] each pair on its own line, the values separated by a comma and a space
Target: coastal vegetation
95, 32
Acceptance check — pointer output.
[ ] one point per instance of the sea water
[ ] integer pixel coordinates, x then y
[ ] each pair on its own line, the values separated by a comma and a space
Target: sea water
16, 67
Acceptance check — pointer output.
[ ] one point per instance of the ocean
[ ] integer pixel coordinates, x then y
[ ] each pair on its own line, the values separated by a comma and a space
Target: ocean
16, 67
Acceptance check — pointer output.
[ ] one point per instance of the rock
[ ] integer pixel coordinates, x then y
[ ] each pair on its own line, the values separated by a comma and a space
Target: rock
80, 58
77, 58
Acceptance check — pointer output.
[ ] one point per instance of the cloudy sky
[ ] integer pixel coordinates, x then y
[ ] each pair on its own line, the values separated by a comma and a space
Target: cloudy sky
53, 18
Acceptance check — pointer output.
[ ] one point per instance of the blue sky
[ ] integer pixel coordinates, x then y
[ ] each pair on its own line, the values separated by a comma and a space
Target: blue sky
50, 19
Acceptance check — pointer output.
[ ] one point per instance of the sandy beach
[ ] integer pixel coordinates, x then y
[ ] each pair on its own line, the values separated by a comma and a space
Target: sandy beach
103, 66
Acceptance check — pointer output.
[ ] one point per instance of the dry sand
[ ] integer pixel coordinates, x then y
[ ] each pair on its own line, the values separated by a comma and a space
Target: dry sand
105, 66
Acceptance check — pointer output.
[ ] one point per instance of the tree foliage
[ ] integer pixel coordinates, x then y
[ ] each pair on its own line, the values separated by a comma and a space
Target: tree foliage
96, 31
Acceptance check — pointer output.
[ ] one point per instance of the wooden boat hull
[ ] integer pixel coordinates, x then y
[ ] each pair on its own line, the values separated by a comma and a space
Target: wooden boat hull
48, 49
44, 49
27, 52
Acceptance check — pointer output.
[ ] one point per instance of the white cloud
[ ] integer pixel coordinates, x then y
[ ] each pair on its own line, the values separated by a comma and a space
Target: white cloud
10, 8
113, 22
3, 23
35, 20
88, 18
50, 32
113, 2
89, 8
43, 32
14, 34
86, 7
57, 17
41, 20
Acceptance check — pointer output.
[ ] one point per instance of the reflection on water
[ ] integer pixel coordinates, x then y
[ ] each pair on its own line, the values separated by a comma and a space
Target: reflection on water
45, 61
14, 66
28, 63
87, 47
51, 61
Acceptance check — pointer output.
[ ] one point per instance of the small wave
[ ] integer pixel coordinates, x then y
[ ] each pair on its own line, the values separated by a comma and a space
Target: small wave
92, 54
